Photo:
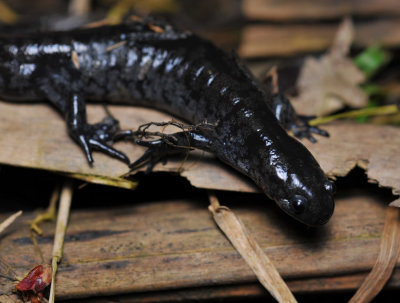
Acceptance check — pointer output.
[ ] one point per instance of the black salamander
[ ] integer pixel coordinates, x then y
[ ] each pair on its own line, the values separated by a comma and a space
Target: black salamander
180, 73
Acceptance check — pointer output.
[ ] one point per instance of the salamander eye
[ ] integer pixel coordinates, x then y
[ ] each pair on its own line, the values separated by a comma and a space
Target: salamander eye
299, 204
330, 187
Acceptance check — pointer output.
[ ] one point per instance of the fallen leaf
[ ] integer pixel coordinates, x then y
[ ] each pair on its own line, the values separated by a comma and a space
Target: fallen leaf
331, 82
43, 131
35, 282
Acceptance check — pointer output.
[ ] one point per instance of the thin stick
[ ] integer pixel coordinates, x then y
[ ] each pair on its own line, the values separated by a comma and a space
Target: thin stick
386, 261
373, 111
62, 220
49, 214
7, 222
250, 250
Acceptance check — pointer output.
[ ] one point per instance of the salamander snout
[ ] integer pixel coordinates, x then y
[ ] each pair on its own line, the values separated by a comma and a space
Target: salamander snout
312, 205
330, 187
313, 212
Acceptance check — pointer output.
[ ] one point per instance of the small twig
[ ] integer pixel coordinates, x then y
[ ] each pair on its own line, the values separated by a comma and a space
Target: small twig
62, 220
250, 251
116, 45
36, 246
75, 59
273, 75
142, 129
7, 222
49, 214
374, 111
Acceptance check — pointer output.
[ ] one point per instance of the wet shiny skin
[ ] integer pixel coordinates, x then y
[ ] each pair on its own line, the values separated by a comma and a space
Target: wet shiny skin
176, 72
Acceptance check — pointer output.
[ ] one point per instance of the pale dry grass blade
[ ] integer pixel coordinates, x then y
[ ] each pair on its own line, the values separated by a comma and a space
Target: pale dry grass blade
386, 261
7, 222
61, 226
251, 251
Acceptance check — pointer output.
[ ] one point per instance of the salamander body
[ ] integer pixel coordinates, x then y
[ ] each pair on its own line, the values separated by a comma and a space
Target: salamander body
180, 73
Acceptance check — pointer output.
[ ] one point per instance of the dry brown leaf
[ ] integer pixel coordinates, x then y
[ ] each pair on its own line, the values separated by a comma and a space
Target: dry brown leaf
35, 136
373, 148
329, 83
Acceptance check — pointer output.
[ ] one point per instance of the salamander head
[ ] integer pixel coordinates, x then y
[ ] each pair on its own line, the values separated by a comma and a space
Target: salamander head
311, 204
291, 176
306, 193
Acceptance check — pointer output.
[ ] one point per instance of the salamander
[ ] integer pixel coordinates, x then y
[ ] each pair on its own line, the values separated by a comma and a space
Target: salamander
155, 65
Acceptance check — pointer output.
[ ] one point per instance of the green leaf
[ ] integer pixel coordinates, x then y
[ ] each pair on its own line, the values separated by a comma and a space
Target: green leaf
371, 59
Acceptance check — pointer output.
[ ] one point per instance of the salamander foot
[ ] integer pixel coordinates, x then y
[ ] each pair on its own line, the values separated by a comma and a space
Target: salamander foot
191, 137
301, 129
97, 137
157, 151
290, 120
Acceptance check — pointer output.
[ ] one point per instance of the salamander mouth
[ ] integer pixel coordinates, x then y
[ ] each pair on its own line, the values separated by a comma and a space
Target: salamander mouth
324, 215
328, 212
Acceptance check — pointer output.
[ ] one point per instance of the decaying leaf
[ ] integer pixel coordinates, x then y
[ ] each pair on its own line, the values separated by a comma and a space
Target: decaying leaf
41, 129
327, 84
34, 283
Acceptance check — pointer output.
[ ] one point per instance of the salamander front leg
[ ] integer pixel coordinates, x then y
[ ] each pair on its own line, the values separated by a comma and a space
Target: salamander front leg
91, 136
288, 118
177, 143
63, 87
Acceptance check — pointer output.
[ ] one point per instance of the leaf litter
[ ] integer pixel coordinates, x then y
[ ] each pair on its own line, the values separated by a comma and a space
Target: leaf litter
330, 83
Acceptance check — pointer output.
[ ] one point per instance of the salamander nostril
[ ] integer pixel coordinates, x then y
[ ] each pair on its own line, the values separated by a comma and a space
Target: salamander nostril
299, 204
330, 187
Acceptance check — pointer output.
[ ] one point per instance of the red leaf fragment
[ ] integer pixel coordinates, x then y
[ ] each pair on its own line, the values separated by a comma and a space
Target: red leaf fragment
35, 282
